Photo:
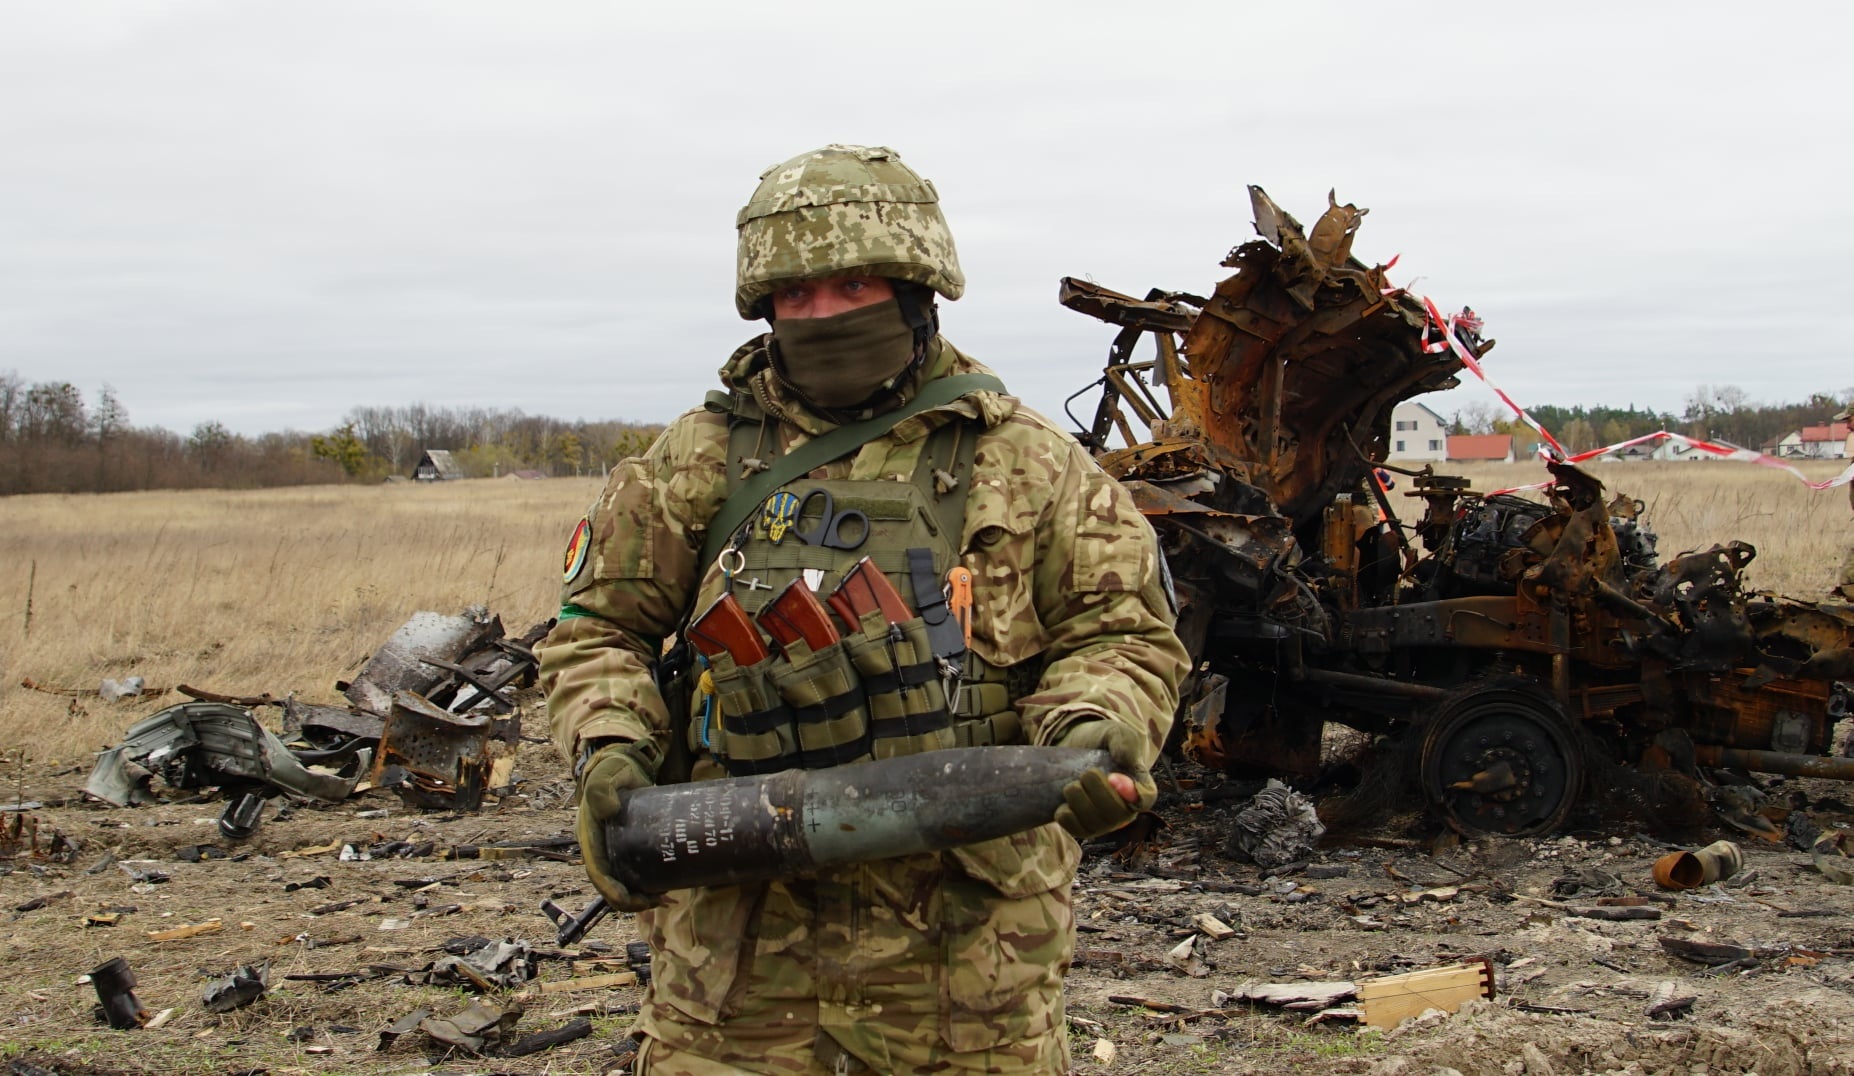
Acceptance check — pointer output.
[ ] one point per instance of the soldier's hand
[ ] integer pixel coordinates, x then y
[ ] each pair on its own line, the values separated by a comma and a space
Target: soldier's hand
1098, 802
607, 775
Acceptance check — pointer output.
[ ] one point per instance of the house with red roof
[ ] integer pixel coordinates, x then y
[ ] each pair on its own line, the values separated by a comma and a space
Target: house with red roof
1826, 442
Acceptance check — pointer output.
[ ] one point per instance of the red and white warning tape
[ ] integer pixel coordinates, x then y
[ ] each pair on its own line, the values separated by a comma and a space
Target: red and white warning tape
1551, 449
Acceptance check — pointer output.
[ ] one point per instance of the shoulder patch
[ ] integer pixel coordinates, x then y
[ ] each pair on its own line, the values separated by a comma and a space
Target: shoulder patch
577, 550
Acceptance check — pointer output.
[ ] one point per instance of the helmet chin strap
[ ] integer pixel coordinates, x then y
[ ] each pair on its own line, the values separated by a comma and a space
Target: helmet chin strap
923, 316
919, 310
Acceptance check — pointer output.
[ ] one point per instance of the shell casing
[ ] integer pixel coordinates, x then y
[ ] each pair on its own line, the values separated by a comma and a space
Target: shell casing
785, 824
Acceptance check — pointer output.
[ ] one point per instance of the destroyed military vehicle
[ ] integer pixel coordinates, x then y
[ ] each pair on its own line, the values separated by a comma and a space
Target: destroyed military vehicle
1511, 647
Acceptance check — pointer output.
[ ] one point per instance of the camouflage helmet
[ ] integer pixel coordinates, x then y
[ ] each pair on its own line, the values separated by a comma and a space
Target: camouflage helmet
843, 209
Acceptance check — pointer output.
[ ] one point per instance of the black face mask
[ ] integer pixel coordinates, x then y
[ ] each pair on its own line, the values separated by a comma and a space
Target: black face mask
841, 361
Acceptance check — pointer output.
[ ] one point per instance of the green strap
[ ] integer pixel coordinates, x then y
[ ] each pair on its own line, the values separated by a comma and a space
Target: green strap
834, 445
570, 611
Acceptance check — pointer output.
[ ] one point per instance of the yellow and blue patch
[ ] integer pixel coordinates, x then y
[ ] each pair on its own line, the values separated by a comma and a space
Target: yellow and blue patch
577, 549
778, 515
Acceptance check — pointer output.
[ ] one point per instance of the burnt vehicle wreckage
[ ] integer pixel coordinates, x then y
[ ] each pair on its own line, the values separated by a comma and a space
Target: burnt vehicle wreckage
1510, 650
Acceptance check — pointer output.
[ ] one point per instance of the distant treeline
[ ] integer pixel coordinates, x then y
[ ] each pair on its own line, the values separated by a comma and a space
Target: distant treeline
1712, 412
52, 440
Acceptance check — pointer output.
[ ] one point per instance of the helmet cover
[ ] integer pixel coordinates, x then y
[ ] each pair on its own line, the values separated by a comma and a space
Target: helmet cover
843, 209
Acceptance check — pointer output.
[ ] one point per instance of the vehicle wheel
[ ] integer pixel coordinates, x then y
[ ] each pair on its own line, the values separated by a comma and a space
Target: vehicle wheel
1501, 759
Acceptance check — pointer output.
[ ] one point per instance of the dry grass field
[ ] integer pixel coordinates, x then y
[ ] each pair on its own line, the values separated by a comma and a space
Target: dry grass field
289, 590
245, 592
1800, 534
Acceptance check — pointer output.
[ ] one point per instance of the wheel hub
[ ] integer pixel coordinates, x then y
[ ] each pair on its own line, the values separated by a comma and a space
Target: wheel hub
1501, 762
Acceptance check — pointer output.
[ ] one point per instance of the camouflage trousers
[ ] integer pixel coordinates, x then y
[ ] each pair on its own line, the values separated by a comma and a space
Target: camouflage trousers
934, 963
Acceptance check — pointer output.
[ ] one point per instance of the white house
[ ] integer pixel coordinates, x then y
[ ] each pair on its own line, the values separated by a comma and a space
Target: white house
1816, 443
1417, 433
1674, 450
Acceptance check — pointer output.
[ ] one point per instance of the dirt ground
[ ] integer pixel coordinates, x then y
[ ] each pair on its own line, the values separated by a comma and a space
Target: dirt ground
1571, 991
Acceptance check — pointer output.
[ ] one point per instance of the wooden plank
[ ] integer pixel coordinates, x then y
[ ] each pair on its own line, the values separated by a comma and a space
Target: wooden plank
1213, 928
593, 982
210, 926
1391, 999
1302, 996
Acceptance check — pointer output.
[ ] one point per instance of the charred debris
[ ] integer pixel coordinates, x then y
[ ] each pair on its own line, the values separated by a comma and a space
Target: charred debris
431, 716
1507, 650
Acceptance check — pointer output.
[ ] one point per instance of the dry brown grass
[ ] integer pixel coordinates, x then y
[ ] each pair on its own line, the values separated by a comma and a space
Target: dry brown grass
1800, 534
251, 591
289, 590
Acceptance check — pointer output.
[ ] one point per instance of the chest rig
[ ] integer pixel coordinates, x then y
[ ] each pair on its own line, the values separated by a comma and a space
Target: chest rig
888, 685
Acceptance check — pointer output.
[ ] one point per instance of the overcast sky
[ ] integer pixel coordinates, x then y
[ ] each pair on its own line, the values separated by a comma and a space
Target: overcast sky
267, 213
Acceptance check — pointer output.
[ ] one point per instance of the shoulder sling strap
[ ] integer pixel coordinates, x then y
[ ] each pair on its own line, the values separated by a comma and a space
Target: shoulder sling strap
831, 446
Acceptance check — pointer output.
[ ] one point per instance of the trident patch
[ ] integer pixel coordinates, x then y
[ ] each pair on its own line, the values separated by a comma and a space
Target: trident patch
777, 517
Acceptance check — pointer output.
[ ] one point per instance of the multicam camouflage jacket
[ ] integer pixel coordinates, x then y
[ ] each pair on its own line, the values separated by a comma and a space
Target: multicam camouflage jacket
1065, 570
1067, 582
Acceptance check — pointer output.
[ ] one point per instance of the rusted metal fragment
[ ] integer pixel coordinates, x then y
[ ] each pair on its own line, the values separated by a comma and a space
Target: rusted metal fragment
431, 757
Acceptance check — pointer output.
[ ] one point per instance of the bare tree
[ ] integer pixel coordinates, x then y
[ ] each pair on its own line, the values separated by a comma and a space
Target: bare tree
12, 401
54, 412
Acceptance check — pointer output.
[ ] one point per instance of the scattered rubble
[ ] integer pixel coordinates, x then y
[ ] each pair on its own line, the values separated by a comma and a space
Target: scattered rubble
486, 967
23, 836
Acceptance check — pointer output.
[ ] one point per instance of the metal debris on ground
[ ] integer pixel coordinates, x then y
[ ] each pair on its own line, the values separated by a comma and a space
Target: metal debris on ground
434, 698
239, 989
457, 663
1498, 647
115, 986
1704, 866
1279, 826
490, 966
431, 757
483, 1029
207, 745
1830, 856
478, 1029
23, 836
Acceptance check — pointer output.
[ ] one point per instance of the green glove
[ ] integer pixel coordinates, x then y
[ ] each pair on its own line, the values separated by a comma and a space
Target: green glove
606, 775
1091, 807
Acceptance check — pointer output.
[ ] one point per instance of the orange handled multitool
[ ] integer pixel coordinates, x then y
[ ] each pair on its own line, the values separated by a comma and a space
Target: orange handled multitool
959, 600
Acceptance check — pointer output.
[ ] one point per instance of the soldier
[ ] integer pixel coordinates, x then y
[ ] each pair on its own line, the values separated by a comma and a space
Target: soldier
945, 962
